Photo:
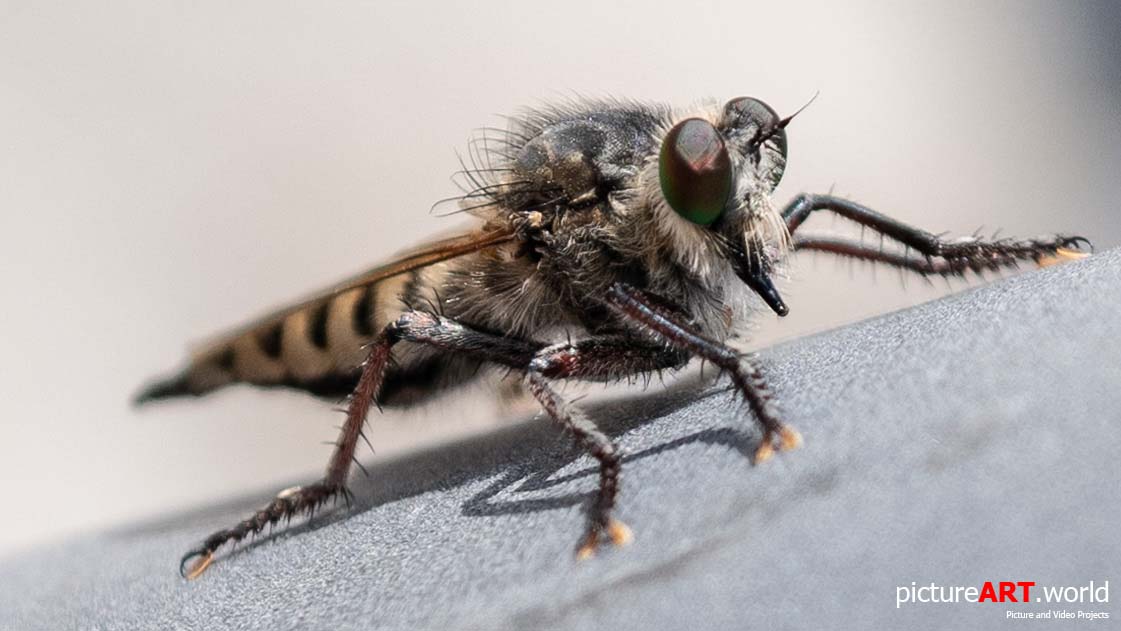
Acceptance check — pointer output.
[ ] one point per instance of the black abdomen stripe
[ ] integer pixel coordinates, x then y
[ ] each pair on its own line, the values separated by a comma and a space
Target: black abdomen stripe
317, 330
316, 348
362, 319
271, 340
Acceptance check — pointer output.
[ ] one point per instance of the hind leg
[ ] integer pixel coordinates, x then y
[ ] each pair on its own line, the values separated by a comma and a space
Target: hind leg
413, 326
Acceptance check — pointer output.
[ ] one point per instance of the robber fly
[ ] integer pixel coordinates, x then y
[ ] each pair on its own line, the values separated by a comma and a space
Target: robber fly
614, 239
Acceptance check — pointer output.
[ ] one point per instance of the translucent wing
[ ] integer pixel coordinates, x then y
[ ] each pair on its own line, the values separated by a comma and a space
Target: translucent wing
316, 344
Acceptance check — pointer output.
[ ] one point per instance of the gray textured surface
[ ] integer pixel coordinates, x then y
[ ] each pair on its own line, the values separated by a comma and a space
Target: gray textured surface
970, 439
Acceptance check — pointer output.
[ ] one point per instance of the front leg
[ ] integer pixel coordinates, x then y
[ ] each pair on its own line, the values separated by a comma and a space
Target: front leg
925, 266
653, 315
956, 255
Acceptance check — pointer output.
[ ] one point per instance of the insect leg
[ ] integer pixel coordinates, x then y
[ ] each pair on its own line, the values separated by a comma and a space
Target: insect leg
597, 359
960, 254
925, 266
413, 326
667, 325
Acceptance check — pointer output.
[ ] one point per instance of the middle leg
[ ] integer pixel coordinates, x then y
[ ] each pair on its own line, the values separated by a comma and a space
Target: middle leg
596, 359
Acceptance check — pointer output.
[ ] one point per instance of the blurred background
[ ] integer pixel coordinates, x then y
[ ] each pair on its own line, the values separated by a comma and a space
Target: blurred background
169, 169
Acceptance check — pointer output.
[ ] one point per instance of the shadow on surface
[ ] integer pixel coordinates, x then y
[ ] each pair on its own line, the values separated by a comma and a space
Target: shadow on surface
525, 458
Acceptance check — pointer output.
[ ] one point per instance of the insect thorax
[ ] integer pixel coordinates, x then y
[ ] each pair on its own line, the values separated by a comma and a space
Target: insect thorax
577, 184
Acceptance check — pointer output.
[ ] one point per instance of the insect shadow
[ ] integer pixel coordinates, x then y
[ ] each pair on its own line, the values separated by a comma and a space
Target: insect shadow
526, 459
533, 471
522, 460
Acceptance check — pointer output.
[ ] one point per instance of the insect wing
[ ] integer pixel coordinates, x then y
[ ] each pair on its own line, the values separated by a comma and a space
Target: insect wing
314, 344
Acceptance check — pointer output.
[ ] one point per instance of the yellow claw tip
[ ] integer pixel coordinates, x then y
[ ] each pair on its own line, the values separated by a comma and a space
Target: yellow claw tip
791, 438
1068, 253
586, 551
620, 533
200, 567
765, 451
1061, 255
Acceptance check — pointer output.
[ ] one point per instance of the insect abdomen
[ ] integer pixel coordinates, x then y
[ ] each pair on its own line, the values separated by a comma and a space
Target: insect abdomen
316, 347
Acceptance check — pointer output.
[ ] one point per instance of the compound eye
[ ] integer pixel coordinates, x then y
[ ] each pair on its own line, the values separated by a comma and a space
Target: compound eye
745, 112
756, 118
695, 171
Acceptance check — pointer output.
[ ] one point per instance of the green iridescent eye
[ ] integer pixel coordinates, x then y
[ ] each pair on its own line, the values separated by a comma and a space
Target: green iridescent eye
695, 171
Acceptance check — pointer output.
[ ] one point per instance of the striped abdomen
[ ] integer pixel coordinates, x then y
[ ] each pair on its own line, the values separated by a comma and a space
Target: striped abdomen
316, 346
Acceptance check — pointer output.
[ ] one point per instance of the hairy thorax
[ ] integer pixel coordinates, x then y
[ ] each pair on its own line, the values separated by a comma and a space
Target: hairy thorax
575, 185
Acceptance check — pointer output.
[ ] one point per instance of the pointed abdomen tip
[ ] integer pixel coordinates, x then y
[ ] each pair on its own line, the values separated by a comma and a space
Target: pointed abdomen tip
163, 389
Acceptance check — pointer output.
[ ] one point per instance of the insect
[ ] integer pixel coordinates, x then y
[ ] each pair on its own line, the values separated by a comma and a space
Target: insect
614, 239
